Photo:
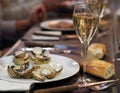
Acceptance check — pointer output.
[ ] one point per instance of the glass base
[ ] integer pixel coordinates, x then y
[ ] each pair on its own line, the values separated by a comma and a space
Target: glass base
84, 79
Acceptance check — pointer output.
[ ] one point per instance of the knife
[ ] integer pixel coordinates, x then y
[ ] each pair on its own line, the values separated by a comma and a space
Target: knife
71, 87
44, 44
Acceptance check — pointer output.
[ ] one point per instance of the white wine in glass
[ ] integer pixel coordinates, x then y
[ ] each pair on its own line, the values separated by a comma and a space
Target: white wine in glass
85, 25
85, 19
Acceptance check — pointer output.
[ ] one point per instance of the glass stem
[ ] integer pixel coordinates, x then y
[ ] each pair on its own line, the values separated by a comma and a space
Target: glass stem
85, 48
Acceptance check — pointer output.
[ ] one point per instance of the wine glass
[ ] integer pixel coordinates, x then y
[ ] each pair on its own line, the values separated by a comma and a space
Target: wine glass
85, 19
100, 5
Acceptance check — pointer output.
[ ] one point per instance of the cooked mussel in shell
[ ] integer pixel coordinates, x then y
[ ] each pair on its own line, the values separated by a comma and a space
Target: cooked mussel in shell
40, 56
21, 71
21, 58
38, 72
33, 65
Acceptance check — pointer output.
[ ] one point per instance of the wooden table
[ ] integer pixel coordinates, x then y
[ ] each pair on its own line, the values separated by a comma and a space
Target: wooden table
75, 43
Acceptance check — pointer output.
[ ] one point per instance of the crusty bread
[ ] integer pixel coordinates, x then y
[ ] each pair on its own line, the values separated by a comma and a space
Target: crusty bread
99, 68
97, 50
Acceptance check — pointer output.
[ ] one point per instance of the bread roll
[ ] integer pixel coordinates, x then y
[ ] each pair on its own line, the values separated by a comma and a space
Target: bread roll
99, 68
96, 50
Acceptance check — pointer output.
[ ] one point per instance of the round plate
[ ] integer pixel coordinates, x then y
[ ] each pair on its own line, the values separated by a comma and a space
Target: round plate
46, 24
70, 68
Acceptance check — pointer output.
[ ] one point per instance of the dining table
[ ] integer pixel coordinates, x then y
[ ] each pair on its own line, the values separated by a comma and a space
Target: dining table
67, 38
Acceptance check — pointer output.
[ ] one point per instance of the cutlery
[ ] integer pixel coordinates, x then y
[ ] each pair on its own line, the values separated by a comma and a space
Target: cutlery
43, 44
101, 86
54, 50
75, 86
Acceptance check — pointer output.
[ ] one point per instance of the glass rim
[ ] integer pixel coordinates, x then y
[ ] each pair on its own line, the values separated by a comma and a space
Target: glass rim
83, 2
78, 3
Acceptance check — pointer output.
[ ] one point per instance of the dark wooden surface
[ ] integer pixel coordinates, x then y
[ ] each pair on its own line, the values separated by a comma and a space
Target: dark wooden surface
76, 56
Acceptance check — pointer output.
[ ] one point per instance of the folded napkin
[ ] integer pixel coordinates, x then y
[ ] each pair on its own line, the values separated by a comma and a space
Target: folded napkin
41, 37
13, 86
48, 33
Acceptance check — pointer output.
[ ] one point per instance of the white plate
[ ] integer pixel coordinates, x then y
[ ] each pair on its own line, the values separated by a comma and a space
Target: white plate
70, 68
45, 24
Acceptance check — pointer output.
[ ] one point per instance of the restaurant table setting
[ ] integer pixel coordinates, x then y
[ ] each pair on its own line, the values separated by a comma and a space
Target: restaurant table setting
25, 86
48, 59
48, 44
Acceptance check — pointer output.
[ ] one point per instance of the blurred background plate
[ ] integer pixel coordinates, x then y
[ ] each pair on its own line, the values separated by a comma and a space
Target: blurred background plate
58, 24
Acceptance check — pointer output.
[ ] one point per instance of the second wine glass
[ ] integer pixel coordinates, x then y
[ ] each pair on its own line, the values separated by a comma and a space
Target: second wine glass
85, 19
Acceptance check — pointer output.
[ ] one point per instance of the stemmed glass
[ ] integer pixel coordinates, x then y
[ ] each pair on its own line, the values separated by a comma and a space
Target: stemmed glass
85, 19
101, 7
101, 4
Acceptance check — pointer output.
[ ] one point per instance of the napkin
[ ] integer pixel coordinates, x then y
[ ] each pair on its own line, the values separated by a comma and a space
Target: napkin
48, 33
41, 37
13, 86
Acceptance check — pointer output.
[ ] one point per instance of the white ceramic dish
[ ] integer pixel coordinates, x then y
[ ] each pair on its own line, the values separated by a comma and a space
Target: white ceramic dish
70, 68
46, 24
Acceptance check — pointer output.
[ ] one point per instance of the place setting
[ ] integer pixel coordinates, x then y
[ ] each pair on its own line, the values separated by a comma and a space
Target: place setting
52, 58
12, 67
20, 68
